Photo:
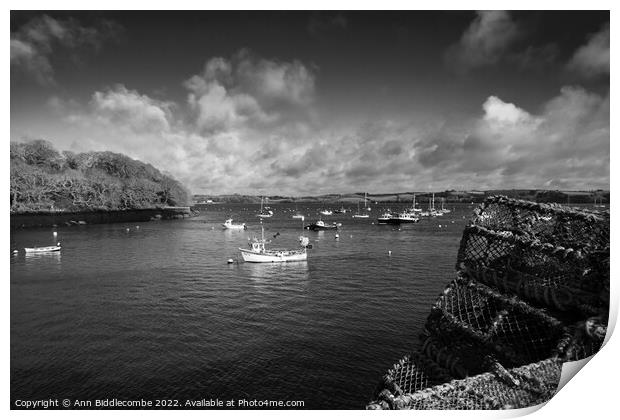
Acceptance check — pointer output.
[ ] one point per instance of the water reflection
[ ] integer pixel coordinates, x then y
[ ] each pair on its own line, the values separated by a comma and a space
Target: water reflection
49, 259
270, 272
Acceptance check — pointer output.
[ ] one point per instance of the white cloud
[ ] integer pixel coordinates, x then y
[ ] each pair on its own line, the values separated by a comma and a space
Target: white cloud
592, 59
248, 90
485, 41
567, 144
498, 111
129, 108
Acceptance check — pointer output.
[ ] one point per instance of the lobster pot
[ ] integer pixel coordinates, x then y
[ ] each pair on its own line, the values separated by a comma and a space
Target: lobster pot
579, 229
537, 383
531, 292
472, 327
559, 278
413, 373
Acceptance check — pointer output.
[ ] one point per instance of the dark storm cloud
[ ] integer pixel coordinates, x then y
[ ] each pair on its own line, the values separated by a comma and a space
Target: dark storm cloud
34, 45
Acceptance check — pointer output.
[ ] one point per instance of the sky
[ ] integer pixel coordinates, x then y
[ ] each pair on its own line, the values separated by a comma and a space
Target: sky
298, 103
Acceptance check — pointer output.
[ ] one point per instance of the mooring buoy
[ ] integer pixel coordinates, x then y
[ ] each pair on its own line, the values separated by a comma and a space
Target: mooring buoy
389, 253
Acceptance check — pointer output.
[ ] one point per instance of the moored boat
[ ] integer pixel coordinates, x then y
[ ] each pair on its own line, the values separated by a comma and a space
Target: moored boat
321, 225
404, 217
228, 224
258, 253
43, 249
264, 214
385, 218
359, 215
326, 212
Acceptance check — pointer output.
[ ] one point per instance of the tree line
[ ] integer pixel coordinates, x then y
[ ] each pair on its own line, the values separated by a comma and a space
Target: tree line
44, 179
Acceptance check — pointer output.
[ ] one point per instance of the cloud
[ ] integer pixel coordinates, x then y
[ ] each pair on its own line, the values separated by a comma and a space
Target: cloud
566, 144
485, 40
247, 126
122, 107
592, 59
248, 90
35, 43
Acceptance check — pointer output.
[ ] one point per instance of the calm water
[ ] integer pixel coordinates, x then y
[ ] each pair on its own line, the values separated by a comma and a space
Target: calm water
157, 312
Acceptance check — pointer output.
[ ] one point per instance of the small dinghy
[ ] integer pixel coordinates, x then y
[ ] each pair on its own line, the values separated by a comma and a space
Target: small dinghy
43, 249
228, 224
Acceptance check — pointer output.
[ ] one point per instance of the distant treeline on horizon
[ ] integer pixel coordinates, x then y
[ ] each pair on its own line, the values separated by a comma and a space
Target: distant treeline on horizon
452, 196
44, 179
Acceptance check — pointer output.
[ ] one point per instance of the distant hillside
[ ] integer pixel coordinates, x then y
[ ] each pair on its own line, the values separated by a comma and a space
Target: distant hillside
43, 178
541, 196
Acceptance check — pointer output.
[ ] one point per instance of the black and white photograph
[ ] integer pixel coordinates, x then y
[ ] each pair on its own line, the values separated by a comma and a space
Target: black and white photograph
306, 209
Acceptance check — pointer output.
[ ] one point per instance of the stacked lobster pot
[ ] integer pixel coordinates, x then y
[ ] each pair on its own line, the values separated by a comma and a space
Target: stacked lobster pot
531, 291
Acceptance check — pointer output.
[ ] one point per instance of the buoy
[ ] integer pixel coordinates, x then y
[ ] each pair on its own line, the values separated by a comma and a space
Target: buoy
127, 229
55, 233
137, 227
230, 261
337, 236
389, 253
439, 225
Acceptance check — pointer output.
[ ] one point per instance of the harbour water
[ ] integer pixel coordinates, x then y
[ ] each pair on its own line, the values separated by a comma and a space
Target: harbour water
154, 311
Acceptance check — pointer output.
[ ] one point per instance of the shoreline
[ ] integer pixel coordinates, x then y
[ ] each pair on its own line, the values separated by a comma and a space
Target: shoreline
70, 218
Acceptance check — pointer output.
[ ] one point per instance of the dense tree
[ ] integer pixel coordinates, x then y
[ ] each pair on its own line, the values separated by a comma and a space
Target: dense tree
44, 179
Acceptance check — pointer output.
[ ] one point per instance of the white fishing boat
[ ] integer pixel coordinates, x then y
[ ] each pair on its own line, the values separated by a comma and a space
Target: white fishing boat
298, 216
258, 253
404, 217
326, 212
385, 218
264, 213
321, 225
228, 224
43, 249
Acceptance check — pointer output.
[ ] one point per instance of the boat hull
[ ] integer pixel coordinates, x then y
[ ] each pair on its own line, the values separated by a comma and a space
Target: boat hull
42, 250
326, 227
273, 256
399, 221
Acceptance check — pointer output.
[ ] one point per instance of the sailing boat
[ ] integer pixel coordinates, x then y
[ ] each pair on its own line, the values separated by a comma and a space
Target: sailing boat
326, 212
258, 253
297, 214
414, 208
444, 210
262, 213
359, 215
432, 210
